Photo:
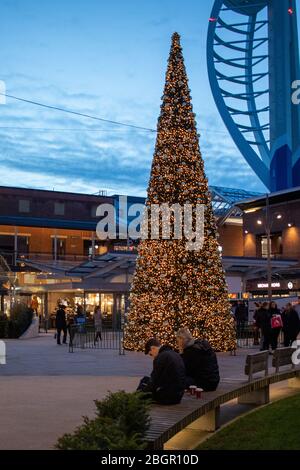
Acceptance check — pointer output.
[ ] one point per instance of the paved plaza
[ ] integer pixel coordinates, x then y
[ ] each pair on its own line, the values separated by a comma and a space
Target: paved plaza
42, 356
45, 390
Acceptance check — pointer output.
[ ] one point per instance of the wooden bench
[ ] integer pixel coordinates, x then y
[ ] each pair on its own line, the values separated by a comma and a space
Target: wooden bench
204, 414
283, 357
256, 363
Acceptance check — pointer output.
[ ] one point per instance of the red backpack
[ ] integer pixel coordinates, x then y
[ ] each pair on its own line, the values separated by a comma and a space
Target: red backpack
276, 321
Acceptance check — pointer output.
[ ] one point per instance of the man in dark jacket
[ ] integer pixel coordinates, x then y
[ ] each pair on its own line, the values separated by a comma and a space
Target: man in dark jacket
291, 325
200, 361
241, 315
263, 321
61, 324
167, 382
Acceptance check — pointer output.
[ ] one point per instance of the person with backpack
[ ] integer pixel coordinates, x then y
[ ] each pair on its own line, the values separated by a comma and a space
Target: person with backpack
276, 324
200, 360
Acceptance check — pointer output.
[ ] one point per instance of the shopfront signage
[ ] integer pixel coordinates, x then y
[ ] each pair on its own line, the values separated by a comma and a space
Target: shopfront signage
266, 285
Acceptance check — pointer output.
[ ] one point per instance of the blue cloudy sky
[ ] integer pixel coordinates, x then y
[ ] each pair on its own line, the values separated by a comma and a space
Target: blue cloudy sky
106, 58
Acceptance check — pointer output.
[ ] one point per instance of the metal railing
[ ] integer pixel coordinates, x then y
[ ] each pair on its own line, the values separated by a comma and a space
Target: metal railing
248, 335
11, 257
85, 336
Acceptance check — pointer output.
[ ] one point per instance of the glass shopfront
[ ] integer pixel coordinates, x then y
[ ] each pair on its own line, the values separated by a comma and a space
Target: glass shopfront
107, 308
112, 305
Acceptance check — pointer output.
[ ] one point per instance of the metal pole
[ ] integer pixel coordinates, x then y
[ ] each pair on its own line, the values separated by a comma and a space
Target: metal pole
93, 245
268, 231
55, 246
84, 303
16, 246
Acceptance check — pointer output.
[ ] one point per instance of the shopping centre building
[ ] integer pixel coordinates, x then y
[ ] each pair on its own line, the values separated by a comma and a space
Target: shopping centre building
49, 249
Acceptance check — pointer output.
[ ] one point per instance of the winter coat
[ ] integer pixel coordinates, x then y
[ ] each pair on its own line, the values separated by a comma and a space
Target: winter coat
60, 320
167, 377
201, 365
263, 319
241, 313
291, 323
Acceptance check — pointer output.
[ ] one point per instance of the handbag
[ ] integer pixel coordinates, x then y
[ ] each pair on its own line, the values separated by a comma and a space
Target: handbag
276, 321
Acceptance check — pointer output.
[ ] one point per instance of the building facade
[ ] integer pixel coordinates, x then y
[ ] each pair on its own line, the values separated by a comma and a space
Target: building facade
46, 235
279, 215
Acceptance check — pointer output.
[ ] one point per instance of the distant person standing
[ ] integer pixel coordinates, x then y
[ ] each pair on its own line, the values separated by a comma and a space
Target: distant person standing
79, 310
291, 325
98, 323
241, 315
263, 321
34, 304
257, 331
297, 308
61, 324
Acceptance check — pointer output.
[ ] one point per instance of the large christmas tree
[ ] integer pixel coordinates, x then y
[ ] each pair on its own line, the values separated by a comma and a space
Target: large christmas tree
173, 286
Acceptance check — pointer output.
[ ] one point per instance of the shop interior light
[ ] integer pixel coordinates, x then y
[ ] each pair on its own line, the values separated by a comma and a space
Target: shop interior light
246, 231
290, 224
259, 222
279, 216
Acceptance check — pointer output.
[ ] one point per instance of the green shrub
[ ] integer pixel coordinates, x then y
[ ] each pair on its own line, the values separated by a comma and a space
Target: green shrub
121, 423
99, 434
129, 409
3, 327
18, 322
20, 319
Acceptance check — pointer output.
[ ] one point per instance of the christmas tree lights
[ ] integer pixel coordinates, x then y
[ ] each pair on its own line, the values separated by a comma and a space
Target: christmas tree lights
173, 286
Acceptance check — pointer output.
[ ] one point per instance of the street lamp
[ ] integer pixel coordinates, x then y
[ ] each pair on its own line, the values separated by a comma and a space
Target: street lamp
268, 225
269, 266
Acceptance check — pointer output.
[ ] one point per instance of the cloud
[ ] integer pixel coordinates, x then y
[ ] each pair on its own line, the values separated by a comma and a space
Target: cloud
88, 155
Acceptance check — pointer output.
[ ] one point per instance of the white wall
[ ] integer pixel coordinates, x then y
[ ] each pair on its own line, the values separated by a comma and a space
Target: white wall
234, 283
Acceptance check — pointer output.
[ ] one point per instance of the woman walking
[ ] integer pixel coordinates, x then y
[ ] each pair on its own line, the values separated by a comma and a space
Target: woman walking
98, 323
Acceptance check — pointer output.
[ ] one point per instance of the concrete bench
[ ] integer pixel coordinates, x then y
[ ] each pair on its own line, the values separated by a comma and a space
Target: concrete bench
204, 414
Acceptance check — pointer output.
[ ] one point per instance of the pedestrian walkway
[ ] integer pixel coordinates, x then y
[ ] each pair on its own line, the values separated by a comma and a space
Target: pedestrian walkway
35, 411
42, 356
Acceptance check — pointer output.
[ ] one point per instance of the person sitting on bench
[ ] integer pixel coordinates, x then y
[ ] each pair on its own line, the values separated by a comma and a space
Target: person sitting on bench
200, 361
167, 382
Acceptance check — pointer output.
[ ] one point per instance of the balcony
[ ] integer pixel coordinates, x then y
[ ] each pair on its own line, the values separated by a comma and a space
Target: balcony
14, 260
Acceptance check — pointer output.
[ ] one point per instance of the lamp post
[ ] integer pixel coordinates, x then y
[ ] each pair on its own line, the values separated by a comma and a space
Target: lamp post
268, 232
268, 225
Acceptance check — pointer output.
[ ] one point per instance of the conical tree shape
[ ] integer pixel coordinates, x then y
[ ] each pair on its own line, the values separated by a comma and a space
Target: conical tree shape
173, 286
